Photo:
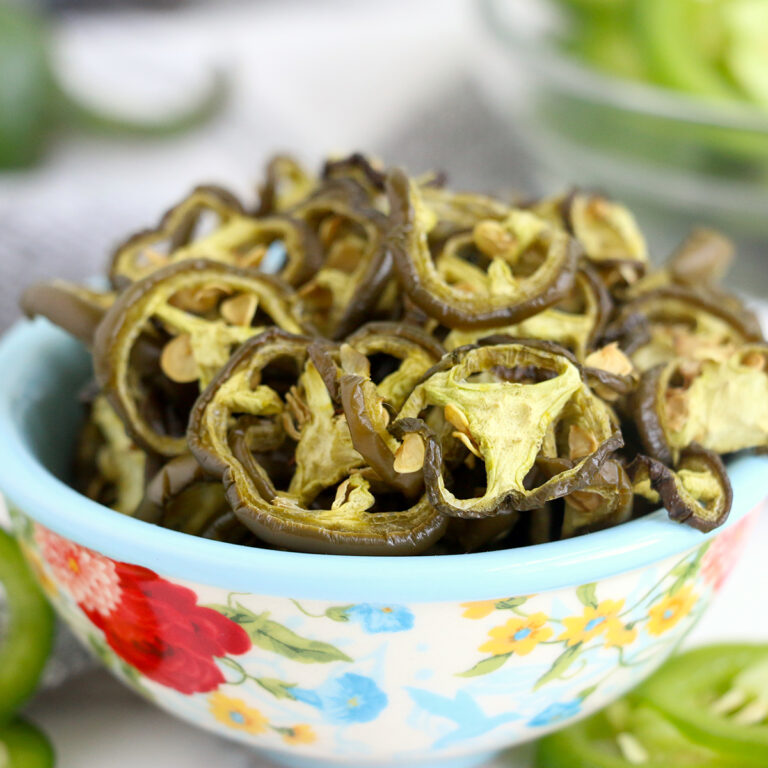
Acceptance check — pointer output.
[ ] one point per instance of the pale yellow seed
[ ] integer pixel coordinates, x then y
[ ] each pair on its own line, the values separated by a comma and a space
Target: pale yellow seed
239, 310
493, 239
468, 442
631, 749
254, 257
755, 712
676, 407
410, 455
341, 494
456, 417
610, 358
729, 702
581, 442
754, 360
154, 257
178, 360
354, 362
328, 229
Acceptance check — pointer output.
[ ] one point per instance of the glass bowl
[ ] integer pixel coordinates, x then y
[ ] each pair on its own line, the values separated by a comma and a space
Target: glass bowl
678, 159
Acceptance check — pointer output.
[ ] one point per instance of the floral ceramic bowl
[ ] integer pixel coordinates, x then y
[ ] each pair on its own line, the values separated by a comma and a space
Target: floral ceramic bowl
319, 660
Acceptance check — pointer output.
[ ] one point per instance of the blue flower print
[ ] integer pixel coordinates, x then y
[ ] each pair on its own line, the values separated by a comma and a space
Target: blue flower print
463, 710
381, 618
350, 698
556, 713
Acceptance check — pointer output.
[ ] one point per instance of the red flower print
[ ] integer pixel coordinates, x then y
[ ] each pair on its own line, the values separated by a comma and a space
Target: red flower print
154, 625
725, 550
89, 577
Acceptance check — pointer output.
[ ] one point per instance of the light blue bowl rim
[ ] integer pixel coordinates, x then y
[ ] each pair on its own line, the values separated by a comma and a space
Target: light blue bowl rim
33, 489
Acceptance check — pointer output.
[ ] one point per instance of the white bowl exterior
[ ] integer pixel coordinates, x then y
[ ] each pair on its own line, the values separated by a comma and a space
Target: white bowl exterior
363, 683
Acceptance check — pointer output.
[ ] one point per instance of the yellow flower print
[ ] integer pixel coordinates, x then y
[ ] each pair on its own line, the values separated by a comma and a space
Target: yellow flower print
479, 609
603, 620
518, 636
299, 734
617, 634
236, 714
667, 612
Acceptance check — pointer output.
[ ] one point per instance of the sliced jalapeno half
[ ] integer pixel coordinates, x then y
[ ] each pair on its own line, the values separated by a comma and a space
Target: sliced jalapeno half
22, 745
717, 697
28, 635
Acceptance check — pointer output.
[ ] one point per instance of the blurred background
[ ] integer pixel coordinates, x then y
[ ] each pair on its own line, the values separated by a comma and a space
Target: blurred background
110, 111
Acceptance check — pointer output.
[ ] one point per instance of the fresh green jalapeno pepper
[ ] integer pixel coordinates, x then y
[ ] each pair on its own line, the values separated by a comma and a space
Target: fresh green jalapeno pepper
273, 379
33, 103
666, 32
718, 698
193, 314
460, 294
28, 636
24, 746
626, 735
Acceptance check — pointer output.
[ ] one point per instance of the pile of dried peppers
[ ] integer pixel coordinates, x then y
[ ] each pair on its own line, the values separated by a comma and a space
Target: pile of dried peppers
367, 363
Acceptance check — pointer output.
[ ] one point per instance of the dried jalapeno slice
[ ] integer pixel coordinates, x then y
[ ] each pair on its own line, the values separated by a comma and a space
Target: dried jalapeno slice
109, 467
607, 230
315, 493
75, 308
575, 323
355, 278
701, 260
702, 401
697, 492
212, 224
182, 496
167, 335
508, 404
679, 322
380, 365
534, 268
286, 183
